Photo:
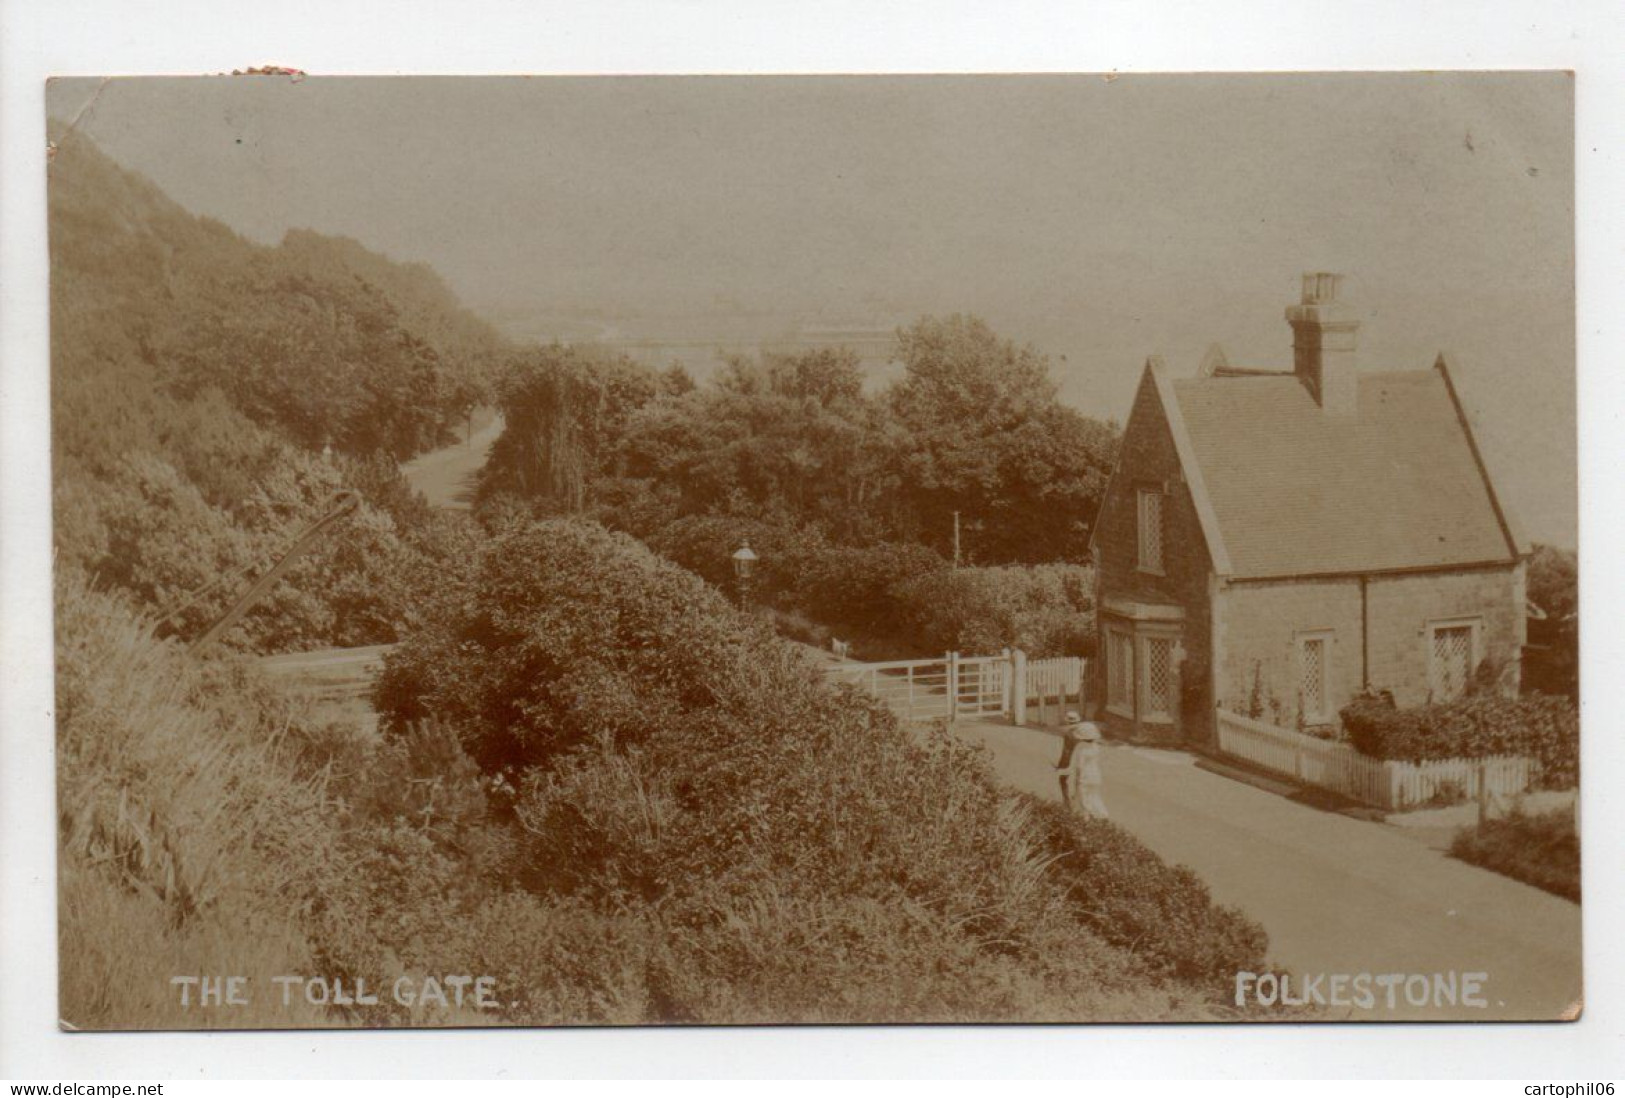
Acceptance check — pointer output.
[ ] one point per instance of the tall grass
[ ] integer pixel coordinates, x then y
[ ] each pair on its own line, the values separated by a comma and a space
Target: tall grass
189, 844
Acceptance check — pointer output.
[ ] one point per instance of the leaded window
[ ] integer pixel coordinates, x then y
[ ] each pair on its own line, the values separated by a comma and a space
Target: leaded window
1120, 671
1159, 677
1313, 657
1150, 529
1452, 659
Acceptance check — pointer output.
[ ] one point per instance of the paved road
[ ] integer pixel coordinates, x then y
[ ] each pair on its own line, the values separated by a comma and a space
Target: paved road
338, 680
446, 476
1337, 895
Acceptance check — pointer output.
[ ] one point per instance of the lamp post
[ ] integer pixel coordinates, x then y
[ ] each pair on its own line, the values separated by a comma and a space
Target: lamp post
744, 559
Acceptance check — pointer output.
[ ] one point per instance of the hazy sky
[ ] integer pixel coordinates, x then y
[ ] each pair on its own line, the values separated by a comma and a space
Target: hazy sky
1101, 220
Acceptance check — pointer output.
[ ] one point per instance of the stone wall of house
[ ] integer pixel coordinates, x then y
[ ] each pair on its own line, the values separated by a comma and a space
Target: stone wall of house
1402, 606
1258, 624
1149, 458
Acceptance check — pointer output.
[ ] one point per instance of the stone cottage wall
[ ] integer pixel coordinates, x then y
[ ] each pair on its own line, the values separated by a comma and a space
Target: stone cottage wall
1258, 623
1149, 458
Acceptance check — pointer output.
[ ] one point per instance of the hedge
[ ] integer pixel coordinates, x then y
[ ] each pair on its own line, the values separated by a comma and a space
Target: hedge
1043, 609
1541, 726
1542, 850
851, 589
1132, 898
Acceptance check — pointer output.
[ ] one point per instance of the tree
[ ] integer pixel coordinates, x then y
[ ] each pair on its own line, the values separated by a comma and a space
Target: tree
1552, 665
786, 436
987, 438
564, 412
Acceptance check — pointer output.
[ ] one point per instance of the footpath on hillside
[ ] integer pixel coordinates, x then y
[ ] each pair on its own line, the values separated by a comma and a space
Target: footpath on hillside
446, 476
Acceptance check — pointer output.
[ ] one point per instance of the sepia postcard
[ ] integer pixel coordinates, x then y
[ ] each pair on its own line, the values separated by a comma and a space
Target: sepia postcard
584, 551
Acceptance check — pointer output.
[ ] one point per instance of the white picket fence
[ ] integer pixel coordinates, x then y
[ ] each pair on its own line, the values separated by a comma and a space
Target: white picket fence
955, 686
1054, 685
1385, 783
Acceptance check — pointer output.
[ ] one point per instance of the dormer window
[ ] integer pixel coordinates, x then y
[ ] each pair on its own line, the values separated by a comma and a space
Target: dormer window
1150, 530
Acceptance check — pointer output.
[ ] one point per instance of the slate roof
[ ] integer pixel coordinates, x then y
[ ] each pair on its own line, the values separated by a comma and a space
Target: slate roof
1294, 491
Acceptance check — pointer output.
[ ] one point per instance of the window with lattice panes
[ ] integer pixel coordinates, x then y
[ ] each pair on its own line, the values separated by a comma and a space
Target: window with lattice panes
1159, 677
1314, 657
1150, 529
1452, 659
1119, 670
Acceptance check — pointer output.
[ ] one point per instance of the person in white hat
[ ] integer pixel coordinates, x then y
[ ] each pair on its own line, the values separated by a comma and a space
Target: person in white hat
1079, 768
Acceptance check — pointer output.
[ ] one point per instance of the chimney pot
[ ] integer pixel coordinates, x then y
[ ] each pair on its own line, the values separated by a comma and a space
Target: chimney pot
1323, 342
1320, 287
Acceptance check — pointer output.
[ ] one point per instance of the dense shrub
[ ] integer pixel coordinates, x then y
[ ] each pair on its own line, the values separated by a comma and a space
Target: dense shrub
316, 339
1551, 662
1542, 850
854, 591
1045, 610
1543, 727
147, 529
566, 633
194, 378
807, 858
705, 544
1131, 898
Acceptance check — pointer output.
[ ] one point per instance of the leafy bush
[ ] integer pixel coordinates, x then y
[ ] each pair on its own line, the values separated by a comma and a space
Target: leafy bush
553, 645
1541, 726
194, 377
855, 588
852, 590
765, 847
316, 339
1551, 661
1045, 610
1542, 850
1128, 896
704, 544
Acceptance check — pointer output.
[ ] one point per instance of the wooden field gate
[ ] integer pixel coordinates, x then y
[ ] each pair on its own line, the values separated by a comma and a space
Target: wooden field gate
953, 686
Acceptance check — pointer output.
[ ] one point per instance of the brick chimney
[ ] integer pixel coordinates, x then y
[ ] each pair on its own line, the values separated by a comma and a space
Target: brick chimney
1323, 333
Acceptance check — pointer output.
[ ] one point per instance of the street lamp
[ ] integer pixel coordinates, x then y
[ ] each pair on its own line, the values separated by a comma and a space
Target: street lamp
744, 559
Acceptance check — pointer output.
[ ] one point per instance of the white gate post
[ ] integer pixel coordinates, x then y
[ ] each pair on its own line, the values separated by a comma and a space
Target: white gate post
1018, 688
953, 687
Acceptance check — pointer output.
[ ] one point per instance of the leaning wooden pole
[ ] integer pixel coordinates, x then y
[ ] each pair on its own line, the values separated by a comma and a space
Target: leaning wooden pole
342, 504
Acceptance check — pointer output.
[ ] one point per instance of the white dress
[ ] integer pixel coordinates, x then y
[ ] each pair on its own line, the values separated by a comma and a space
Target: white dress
1084, 779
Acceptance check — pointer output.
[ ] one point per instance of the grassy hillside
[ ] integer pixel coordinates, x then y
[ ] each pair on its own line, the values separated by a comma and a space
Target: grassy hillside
195, 379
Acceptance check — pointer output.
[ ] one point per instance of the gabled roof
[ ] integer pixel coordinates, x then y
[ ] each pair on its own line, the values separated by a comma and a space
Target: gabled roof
1283, 489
